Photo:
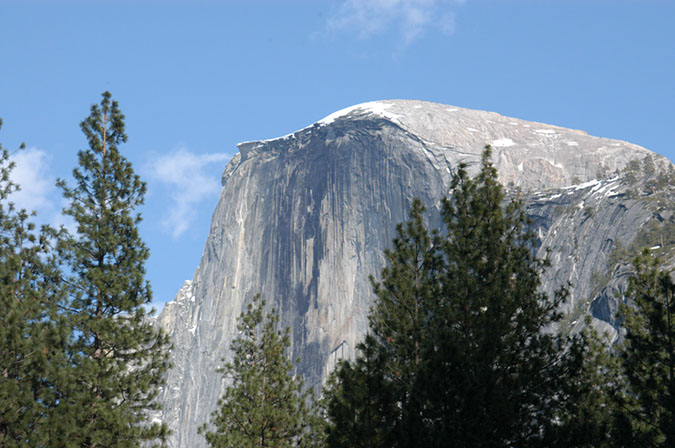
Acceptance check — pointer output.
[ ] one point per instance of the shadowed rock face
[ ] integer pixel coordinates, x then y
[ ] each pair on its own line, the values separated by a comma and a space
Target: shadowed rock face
304, 220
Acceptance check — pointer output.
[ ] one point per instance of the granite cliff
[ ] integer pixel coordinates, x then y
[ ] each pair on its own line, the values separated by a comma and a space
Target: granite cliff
303, 220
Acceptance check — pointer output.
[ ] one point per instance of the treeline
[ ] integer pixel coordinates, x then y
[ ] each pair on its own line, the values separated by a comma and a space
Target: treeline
463, 351
80, 365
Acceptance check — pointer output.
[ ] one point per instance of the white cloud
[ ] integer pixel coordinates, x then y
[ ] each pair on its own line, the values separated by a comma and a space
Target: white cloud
32, 174
66, 221
411, 18
184, 174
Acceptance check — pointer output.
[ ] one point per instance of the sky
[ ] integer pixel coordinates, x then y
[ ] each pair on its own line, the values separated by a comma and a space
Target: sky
196, 78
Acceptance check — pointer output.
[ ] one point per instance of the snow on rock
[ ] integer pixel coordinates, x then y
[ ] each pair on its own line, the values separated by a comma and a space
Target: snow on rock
378, 108
590, 183
502, 143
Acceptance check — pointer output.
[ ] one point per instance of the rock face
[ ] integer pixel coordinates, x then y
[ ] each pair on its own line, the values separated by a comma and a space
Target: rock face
304, 219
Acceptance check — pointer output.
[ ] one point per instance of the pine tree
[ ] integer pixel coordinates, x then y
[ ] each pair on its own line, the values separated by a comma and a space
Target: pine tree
33, 336
120, 357
463, 336
586, 414
494, 363
360, 402
265, 405
647, 404
374, 401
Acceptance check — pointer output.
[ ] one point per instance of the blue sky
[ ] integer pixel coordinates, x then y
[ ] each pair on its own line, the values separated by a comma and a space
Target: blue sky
195, 78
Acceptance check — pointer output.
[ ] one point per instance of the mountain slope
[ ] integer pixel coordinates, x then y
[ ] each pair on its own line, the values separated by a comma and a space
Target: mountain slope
304, 219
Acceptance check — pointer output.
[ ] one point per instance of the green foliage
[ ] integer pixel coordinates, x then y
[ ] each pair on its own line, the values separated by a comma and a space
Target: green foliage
648, 167
665, 179
33, 337
647, 401
631, 171
618, 254
660, 235
647, 172
598, 281
493, 370
265, 405
360, 403
653, 234
586, 415
119, 357
461, 349
602, 172
376, 398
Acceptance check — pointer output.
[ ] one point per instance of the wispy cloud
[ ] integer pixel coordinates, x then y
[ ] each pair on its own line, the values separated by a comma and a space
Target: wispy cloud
184, 174
32, 174
411, 18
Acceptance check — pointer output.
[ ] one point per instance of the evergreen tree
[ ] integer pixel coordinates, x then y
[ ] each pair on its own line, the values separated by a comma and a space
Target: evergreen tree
647, 404
586, 414
120, 357
374, 401
462, 334
360, 402
33, 336
494, 371
265, 405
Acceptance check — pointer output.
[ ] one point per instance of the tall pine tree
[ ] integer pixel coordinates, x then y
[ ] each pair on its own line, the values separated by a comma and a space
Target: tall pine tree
463, 341
265, 405
647, 402
494, 370
33, 335
121, 357
374, 401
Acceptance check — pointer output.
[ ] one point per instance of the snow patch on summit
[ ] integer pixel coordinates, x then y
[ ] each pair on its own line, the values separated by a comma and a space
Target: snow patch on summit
375, 108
